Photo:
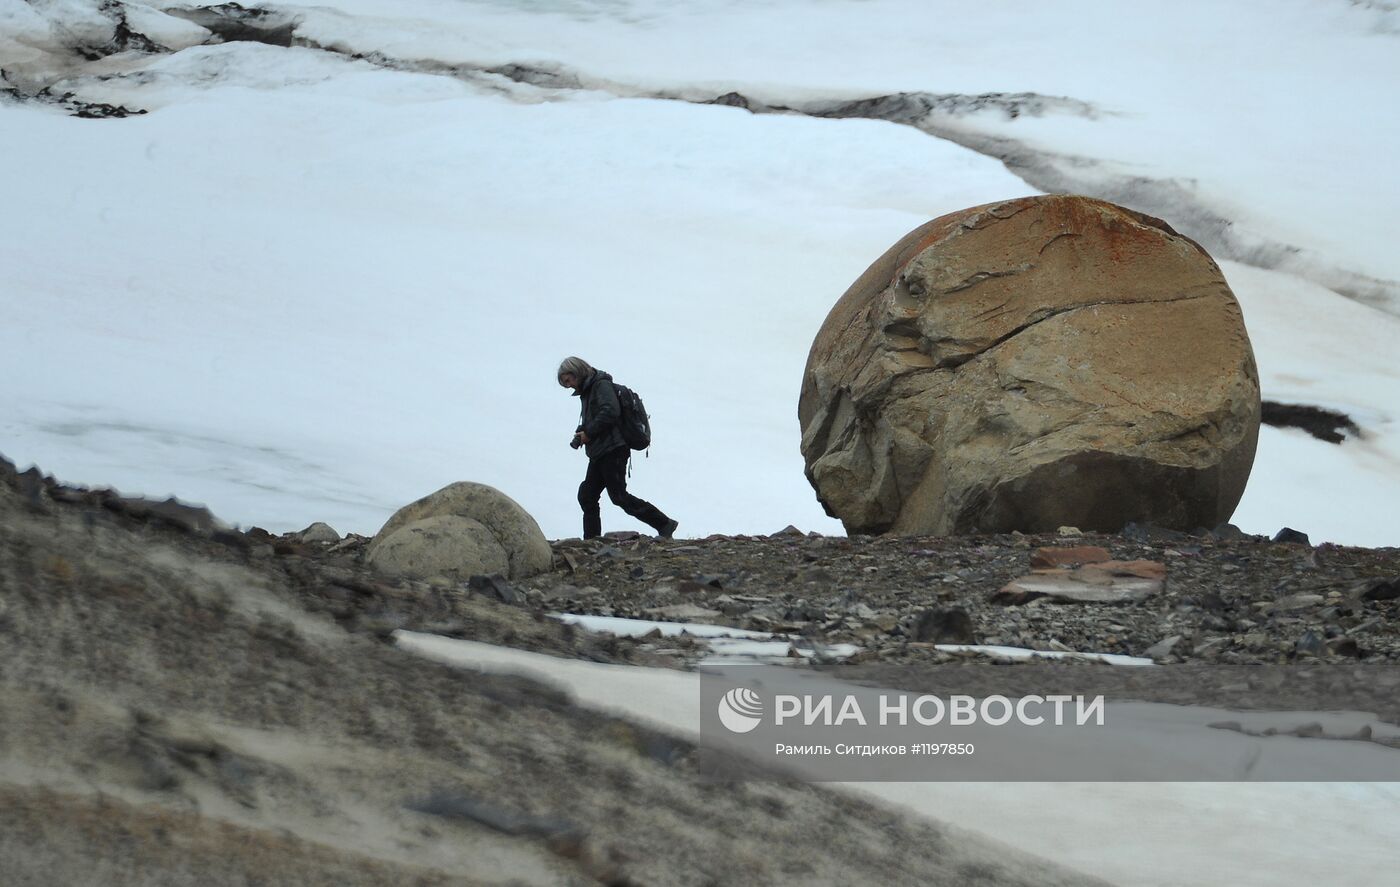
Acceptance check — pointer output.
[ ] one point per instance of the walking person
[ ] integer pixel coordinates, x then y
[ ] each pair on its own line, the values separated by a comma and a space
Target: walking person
600, 435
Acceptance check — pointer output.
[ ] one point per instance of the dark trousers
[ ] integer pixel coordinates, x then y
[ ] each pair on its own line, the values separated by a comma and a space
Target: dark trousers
609, 472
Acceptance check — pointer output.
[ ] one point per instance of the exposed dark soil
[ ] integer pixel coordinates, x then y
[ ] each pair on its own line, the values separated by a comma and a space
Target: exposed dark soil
1323, 424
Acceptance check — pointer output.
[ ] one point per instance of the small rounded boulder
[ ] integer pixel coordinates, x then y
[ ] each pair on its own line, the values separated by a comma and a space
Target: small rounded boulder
463, 530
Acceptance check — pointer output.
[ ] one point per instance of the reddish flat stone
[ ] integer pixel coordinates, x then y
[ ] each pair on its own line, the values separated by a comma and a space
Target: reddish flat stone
1141, 569
1109, 582
1064, 557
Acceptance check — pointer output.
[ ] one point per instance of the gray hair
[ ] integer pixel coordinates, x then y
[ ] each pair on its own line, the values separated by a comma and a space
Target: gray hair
576, 365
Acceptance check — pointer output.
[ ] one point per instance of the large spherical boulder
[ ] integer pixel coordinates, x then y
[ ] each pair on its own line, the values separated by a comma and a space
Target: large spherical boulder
1030, 364
463, 530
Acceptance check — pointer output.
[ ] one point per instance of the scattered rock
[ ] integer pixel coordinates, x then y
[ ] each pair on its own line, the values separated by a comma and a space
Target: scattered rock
1227, 532
1310, 730
1163, 648
494, 586
1347, 647
1310, 644
1151, 534
1103, 583
319, 534
1295, 602
1063, 557
952, 625
1210, 648
351, 542
732, 99
683, 613
863, 613
1377, 589
172, 512
1211, 602
563, 592
1290, 535
817, 576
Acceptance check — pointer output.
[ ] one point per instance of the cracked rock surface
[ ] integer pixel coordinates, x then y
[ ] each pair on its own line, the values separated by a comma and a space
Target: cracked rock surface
1031, 364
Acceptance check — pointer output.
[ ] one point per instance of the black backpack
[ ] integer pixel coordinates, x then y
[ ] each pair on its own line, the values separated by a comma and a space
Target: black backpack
634, 422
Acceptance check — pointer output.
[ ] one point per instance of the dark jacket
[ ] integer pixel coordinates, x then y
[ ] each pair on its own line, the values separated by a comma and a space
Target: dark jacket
600, 415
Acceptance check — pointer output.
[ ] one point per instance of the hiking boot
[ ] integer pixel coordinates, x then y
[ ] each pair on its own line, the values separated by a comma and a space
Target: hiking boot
668, 529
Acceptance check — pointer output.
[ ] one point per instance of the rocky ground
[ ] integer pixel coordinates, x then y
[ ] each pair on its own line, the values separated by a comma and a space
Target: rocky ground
1239, 621
181, 703
177, 690
1230, 601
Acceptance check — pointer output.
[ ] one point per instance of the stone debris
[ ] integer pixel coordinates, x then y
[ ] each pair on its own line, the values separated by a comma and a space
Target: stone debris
951, 625
1163, 648
1218, 599
319, 534
1109, 582
1064, 557
1310, 644
1377, 589
494, 586
683, 613
1293, 603
1310, 730
1291, 536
